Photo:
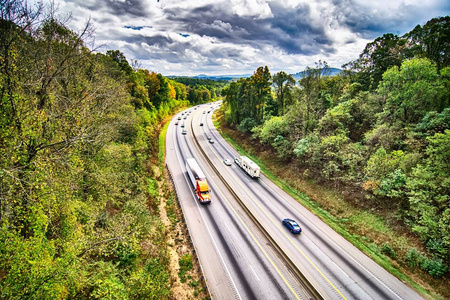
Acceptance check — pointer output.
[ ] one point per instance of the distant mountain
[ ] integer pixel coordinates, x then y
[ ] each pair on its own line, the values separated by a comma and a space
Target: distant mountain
216, 77
328, 72
297, 76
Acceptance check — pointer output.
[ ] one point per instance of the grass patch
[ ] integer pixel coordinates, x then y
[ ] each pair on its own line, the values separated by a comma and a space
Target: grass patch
185, 264
162, 145
171, 213
366, 230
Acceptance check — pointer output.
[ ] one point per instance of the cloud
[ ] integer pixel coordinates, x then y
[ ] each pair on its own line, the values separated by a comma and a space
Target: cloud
188, 37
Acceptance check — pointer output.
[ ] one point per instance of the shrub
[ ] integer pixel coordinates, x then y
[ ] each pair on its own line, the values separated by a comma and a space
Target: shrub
387, 250
413, 258
434, 267
247, 125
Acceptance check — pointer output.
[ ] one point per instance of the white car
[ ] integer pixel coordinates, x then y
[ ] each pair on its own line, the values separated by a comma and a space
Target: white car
227, 162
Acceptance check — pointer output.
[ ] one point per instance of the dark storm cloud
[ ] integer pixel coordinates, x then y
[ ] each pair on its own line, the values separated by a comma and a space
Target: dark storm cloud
289, 29
118, 8
297, 33
239, 35
371, 22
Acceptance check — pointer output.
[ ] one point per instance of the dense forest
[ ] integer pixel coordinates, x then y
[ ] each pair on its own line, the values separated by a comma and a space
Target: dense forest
79, 140
201, 90
78, 149
381, 128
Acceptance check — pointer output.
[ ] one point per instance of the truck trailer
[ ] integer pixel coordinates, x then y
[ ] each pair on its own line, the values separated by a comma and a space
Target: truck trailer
198, 180
248, 166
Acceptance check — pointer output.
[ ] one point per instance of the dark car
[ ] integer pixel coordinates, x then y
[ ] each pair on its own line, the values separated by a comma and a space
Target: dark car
184, 132
211, 141
201, 124
292, 225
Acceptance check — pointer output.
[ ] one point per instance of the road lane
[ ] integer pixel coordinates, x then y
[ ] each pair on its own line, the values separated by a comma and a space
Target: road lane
338, 267
235, 249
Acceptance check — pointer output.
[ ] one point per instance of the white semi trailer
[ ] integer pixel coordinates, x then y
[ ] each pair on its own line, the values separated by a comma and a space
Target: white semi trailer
248, 166
198, 180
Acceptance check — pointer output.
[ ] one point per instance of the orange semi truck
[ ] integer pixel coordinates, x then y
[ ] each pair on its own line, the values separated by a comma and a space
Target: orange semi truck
198, 179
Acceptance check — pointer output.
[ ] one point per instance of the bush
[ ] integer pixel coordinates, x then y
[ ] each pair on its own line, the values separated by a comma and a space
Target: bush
413, 258
387, 250
434, 267
247, 125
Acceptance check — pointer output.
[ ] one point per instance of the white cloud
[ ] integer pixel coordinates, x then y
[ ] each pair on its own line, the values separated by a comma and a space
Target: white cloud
259, 9
188, 37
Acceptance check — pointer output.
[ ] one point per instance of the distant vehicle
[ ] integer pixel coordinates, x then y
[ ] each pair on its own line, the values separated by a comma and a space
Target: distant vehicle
184, 118
211, 141
182, 125
292, 226
184, 132
248, 166
179, 118
176, 123
227, 162
201, 124
208, 137
198, 180
209, 111
204, 112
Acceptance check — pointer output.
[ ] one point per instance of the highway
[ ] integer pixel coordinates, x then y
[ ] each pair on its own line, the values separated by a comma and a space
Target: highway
244, 250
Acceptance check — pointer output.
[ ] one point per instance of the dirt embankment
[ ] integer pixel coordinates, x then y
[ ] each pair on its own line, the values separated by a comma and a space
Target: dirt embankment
186, 277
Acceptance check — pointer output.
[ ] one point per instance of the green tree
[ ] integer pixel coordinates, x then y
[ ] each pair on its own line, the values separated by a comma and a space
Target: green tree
410, 92
121, 61
232, 100
378, 56
283, 84
432, 41
311, 103
428, 190
259, 91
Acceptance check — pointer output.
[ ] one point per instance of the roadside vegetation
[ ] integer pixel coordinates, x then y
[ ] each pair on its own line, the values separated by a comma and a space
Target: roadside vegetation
80, 173
377, 136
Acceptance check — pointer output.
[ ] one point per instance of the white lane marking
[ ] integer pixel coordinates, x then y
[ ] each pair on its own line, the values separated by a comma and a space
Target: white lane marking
335, 244
254, 272
208, 229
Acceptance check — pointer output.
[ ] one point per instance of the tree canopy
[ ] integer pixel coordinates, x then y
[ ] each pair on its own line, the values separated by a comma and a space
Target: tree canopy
380, 128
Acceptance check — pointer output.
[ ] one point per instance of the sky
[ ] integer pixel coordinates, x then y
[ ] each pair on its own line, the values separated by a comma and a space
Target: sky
234, 37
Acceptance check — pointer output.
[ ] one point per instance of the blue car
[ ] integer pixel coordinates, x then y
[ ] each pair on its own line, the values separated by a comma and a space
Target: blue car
292, 225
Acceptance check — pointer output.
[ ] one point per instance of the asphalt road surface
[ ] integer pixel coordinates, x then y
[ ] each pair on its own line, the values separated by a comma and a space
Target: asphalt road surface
237, 259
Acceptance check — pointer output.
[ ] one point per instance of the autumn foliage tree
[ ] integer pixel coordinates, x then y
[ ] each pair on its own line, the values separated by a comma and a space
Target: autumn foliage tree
76, 137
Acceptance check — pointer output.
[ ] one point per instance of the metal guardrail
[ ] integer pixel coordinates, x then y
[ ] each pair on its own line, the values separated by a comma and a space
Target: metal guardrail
278, 248
187, 230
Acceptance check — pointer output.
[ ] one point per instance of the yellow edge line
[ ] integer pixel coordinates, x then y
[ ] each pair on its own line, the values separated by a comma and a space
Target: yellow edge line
276, 224
256, 241
259, 245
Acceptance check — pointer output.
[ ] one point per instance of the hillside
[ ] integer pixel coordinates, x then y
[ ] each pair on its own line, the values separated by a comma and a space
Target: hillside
379, 134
